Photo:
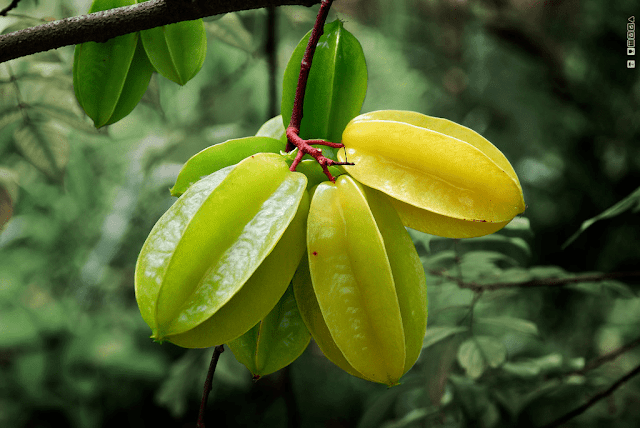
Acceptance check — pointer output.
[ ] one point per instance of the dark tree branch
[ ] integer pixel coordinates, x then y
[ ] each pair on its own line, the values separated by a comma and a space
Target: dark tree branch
13, 5
102, 26
546, 282
207, 383
610, 356
604, 394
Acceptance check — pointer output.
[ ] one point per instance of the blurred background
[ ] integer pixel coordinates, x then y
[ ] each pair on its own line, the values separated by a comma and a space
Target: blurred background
545, 81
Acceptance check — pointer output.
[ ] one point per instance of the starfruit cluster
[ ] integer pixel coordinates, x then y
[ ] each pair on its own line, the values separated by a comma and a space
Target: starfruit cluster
110, 78
263, 258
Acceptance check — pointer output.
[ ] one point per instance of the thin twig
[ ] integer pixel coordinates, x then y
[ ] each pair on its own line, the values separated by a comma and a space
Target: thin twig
293, 130
541, 282
610, 356
13, 5
105, 25
207, 383
305, 67
604, 394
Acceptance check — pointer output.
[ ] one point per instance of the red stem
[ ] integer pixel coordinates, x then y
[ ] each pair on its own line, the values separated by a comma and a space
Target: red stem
305, 67
293, 130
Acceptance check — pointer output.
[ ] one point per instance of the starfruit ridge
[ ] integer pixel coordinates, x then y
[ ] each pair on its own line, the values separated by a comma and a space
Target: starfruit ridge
178, 270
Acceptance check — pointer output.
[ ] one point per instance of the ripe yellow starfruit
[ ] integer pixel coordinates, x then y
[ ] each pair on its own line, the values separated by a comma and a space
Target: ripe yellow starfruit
361, 290
442, 177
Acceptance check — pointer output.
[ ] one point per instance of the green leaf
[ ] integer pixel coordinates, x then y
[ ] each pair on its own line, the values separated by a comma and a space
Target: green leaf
221, 155
44, 146
616, 288
631, 202
523, 369
9, 180
519, 227
437, 334
336, 87
17, 328
532, 367
480, 352
177, 383
9, 116
63, 115
473, 398
516, 324
410, 419
381, 407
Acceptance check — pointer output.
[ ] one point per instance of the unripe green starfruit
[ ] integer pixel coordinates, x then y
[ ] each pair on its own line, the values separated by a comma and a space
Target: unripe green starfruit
276, 341
110, 78
361, 290
336, 87
220, 155
442, 177
273, 128
177, 51
221, 257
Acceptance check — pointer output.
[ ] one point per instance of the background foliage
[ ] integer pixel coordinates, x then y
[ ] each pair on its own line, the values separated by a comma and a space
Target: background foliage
546, 82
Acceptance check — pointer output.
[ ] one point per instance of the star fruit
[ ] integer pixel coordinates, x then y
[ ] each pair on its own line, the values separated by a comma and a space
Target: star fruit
219, 260
442, 178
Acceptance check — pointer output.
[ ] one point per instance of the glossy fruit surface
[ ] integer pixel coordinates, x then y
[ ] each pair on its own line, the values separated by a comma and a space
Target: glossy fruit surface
276, 341
177, 51
110, 78
336, 87
368, 283
135, 85
222, 256
218, 156
443, 178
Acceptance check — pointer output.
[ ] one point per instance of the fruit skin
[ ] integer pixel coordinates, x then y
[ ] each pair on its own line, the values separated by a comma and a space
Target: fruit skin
110, 78
218, 156
336, 87
443, 178
367, 308
135, 85
177, 51
276, 341
222, 256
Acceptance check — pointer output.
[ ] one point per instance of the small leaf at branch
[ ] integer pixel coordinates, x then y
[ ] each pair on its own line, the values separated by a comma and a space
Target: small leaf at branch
437, 334
43, 146
480, 352
516, 324
631, 202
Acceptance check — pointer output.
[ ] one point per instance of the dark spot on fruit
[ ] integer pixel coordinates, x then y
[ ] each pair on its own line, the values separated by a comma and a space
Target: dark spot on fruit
315, 253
